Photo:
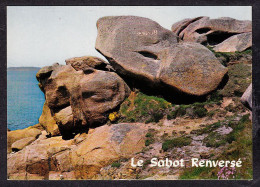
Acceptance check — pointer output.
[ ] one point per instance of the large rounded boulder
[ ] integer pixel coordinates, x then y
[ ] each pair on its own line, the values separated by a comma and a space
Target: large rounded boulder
140, 50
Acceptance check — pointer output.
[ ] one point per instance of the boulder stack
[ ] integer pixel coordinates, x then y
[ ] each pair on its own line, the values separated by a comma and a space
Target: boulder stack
80, 99
143, 51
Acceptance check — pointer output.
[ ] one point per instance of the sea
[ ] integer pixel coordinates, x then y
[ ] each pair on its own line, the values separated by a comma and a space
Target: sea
24, 97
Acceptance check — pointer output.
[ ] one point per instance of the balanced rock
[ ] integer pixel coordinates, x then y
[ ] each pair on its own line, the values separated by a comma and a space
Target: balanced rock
143, 51
239, 42
81, 99
80, 63
210, 31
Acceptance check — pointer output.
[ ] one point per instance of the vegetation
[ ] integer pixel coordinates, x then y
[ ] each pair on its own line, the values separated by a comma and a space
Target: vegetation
226, 57
239, 80
143, 108
113, 116
239, 147
150, 137
176, 142
197, 172
115, 164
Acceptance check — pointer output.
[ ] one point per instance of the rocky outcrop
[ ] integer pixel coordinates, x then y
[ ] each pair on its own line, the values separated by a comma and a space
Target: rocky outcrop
239, 42
13, 136
210, 31
20, 144
80, 63
48, 122
78, 158
246, 98
143, 51
80, 99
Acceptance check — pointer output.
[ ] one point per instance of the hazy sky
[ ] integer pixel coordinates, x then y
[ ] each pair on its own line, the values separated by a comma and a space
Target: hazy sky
40, 36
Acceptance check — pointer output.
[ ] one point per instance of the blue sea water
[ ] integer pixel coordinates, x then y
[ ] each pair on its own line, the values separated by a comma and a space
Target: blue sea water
24, 99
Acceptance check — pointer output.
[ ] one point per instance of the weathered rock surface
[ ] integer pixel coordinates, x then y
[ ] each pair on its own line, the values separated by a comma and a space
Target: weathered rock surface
210, 31
81, 99
20, 144
246, 98
239, 42
48, 122
143, 51
44, 73
52, 157
191, 68
13, 136
80, 63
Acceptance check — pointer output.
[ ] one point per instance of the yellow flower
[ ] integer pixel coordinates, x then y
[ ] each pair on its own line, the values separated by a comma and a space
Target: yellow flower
113, 116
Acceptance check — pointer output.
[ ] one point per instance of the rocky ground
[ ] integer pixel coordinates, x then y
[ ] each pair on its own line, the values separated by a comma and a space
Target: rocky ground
159, 96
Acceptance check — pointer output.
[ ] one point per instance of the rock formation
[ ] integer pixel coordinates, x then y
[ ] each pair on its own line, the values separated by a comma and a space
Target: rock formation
214, 31
239, 42
79, 63
80, 99
13, 136
143, 51
78, 158
48, 122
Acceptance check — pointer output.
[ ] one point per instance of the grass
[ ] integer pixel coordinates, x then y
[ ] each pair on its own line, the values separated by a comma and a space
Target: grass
240, 76
179, 111
207, 129
146, 163
143, 108
140, 107
115, 164
196, 172
176, 142
214, 139
200, 112
150, 137
196, 110
230, 56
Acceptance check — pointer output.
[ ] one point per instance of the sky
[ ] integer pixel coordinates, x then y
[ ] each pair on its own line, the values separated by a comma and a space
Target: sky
42, 35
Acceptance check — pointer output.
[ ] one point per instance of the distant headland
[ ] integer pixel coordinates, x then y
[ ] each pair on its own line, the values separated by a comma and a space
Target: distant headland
23, 68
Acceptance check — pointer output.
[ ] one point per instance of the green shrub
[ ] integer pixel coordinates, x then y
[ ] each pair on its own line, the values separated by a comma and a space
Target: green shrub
200, 112
115, 164
207, 129
149, 142
177, 112
211, 113
146, 163
150, 137
176, 142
